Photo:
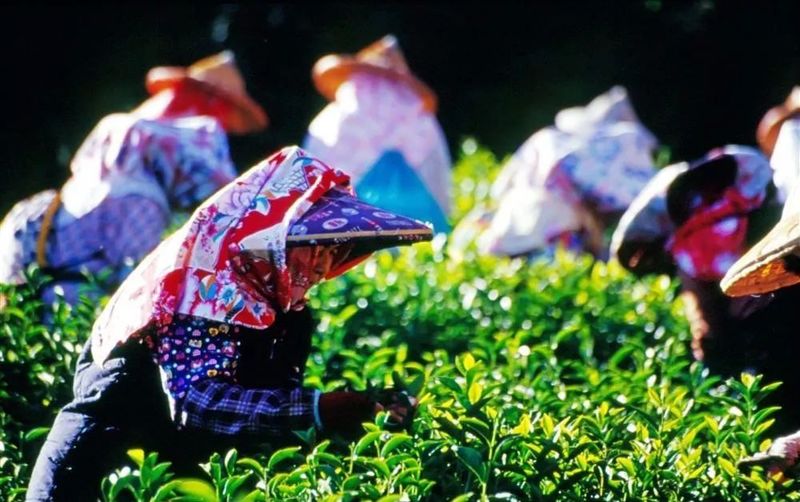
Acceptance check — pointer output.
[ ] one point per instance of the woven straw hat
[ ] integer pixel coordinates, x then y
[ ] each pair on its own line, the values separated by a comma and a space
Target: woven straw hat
382, 58
220, 75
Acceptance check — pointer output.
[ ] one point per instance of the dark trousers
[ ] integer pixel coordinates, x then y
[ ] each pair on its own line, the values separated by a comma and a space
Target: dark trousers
117, 406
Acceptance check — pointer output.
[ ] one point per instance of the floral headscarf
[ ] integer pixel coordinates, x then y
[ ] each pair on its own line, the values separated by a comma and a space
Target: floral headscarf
547, 217
177, 163
710, 232
595, 158
785, 158
713, 236
606, 169
202, 270
372, 115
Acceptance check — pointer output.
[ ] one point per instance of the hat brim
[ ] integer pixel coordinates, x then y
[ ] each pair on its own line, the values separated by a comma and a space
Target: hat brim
709, 178
639, 241
644, 257
251, 115
773, 263
338, 218
770, 124
333, 70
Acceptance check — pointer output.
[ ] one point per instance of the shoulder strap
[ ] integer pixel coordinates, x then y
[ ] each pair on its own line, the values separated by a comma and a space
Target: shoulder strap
47, 223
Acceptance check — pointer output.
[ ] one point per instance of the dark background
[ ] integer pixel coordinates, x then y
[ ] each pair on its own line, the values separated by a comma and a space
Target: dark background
700, 73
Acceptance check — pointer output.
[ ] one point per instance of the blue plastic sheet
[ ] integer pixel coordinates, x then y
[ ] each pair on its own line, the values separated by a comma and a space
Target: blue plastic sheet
393, 185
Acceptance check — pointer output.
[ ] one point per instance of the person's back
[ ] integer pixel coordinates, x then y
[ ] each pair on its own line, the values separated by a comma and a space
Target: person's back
204, 346
127, 178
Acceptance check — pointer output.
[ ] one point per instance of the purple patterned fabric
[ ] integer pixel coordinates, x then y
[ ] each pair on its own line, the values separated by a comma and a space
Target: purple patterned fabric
126, 178
233, 410
192, 349
338, 216
199, 361
107, 240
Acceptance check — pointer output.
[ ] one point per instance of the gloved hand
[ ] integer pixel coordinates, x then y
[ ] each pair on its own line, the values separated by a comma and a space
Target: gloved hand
399, 405
343, 412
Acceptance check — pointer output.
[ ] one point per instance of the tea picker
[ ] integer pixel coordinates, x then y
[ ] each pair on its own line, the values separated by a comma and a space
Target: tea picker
380, 128
204, 346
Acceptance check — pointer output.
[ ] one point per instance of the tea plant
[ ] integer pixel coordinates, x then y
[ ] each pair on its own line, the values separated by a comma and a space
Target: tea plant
565, 379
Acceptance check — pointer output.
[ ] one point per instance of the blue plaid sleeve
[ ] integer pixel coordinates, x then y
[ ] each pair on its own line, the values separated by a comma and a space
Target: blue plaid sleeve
199, 361
228, 409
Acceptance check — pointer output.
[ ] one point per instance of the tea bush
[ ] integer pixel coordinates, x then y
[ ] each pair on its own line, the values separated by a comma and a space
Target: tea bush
551, 380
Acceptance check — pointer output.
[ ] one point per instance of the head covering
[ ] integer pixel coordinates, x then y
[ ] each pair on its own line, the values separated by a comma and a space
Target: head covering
785, 158
219, 75
605, 170
710, 204
228, 262
697, 214
607, 155
376, 129
382, 58
339, 218
638, 241
771, 123
596, 159
394, 185
547, 217
176, 163
611, 107
773, 262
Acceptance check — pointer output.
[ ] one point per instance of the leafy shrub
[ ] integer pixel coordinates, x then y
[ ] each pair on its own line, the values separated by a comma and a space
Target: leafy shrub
560, 380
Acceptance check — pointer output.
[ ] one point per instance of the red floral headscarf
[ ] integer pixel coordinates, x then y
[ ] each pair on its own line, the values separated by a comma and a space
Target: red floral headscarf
697, 223
201, 270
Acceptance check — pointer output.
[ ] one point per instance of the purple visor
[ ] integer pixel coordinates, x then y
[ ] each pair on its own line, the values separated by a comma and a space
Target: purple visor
338, 218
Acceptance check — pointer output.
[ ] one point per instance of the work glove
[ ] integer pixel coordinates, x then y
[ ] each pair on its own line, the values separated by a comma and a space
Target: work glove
343, 412
400, 407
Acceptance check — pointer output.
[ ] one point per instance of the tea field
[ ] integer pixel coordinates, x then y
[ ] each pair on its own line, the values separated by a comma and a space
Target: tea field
550, 380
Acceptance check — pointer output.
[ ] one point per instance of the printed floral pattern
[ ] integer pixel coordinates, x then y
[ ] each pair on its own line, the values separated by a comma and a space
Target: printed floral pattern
177, 163
595, 159
126, 178
706, 245
192, 349
372, 115
199, 271
712, 239
713, 236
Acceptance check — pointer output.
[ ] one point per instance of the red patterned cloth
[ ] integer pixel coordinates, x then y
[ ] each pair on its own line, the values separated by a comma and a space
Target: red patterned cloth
709, 234
713, 238
198, 271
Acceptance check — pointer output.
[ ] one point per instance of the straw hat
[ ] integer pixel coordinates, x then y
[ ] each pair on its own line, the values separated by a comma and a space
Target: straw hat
382, 58
639, 239
770, 125
218, 74
774, 262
